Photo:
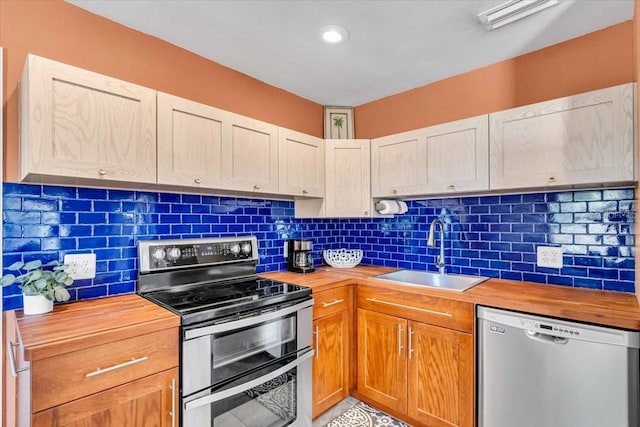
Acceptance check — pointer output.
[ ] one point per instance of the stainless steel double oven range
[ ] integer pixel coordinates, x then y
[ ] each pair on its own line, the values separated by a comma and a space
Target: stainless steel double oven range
246, 341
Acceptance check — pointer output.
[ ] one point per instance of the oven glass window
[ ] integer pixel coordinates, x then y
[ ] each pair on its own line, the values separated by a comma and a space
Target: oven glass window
269, 404
240, 350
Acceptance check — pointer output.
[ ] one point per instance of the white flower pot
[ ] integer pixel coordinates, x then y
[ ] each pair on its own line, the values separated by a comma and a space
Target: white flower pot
36, 304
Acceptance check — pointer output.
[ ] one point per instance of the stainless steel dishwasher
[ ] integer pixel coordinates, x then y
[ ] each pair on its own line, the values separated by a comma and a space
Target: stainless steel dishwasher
535, 371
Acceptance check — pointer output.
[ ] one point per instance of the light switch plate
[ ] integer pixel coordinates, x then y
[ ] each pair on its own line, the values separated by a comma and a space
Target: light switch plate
549, 256
80, 266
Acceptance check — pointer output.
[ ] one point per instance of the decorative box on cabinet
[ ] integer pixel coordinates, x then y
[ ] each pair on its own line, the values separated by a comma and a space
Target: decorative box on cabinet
302, 164
579, 140
80, 126
332, 320
348, 182
415, 355
447, 158
116, 362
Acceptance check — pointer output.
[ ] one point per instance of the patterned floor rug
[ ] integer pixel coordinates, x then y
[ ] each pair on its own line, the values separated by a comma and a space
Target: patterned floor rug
363, 415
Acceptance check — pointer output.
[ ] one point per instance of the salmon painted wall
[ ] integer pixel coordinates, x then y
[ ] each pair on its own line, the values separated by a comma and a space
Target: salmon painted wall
597, 60
66, 33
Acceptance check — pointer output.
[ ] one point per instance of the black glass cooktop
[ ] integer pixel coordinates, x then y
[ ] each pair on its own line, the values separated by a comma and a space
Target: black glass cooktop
208, 301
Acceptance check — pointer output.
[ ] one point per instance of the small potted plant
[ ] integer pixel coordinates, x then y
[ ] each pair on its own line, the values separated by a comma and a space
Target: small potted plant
40, 284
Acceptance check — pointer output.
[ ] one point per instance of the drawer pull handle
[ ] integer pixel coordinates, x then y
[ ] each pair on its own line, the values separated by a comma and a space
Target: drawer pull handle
100, 371
12, 360
257, 187
102, 172
317, 334
400, 340
173, 402
197, 180
330, 303
424, 310
410, 343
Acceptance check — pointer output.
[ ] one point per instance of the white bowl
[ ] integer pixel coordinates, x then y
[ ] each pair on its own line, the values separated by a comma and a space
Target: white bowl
342, 258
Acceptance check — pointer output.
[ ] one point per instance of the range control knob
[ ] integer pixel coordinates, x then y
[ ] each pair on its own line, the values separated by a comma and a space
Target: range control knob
246, 248
158, 254
235, 249
173, 253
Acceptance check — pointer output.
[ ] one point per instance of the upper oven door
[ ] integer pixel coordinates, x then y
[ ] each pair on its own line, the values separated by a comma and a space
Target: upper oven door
214, 353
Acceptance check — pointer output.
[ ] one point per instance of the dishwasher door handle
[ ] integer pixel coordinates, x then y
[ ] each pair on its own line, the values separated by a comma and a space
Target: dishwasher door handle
545, 337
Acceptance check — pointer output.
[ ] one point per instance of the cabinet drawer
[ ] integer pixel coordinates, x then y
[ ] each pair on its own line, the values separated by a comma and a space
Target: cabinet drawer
331, 301
60, 379
443, 312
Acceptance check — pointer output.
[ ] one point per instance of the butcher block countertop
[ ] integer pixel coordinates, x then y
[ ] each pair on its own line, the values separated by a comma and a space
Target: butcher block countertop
617, 309
84, 324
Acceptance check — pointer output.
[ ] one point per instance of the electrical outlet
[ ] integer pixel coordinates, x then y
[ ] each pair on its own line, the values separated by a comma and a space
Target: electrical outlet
80, 266
549, 256
286, 249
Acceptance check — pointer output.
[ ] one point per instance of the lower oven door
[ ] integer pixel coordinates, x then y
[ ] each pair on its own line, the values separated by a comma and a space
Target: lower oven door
277, 395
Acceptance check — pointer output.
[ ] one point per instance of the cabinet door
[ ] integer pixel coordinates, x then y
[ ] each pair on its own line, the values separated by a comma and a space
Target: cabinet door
581, 139
398, 164
80, 124
382, 359
440, 379
301, 166
331, 361
348, 191
151, 401
458, 156
251, 156
190, 138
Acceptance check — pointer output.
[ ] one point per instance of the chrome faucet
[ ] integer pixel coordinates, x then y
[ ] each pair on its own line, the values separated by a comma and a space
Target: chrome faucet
431, 241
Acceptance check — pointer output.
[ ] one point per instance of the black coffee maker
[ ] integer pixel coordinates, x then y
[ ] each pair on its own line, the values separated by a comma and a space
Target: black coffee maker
299, 258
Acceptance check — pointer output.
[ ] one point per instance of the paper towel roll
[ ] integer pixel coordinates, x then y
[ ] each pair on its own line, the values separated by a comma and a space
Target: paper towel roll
390, 207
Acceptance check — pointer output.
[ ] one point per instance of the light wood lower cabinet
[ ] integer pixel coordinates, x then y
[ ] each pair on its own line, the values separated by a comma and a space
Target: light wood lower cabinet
417, 369
150, 401
332, 343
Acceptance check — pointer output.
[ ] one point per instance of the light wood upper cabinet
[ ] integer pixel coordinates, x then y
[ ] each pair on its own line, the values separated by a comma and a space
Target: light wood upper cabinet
80, 124
348, 178
458, 156
452, 157
190, 140
302, 164
577, 140
398, 164
251, 155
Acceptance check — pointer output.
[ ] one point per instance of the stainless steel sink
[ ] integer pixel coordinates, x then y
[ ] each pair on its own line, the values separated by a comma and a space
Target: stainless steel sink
452, 282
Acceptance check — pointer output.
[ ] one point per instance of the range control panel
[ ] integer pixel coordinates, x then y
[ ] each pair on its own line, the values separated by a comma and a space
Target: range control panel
169, 254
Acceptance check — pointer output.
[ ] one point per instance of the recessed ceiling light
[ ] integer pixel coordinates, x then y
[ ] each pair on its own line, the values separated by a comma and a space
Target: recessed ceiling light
334, 34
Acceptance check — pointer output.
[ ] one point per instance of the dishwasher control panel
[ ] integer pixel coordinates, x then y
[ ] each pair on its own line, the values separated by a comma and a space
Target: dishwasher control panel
547, 327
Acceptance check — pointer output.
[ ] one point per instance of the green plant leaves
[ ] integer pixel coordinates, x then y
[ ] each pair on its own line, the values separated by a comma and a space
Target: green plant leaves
61, 294
15, 266
7, 280
48, 280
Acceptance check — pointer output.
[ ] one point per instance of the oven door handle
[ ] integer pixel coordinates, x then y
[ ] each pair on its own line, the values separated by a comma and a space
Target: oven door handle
243, 323
221, 395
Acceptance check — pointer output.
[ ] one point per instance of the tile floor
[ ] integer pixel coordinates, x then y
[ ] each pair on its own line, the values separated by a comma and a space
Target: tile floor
337, 410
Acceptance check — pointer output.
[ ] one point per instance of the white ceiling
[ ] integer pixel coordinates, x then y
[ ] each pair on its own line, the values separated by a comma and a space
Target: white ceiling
394, 45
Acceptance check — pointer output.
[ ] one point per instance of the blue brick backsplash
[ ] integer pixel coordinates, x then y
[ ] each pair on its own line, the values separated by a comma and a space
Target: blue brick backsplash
494, 235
